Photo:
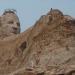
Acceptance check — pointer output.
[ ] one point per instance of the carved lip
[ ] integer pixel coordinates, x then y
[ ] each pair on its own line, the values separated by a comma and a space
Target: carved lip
15, 31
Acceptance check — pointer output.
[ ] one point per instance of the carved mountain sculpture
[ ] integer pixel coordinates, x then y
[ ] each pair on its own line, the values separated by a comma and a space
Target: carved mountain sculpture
9, 24
47, 48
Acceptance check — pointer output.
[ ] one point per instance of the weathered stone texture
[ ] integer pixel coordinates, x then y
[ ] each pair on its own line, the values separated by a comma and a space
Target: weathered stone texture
47, 48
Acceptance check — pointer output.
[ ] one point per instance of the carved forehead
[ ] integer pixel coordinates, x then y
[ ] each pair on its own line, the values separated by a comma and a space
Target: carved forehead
11, 16
55, 11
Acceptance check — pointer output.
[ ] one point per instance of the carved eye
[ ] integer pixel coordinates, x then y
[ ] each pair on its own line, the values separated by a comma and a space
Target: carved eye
18, 24
10, 22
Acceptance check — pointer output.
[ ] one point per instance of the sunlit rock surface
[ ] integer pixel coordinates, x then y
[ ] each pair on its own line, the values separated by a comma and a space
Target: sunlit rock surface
47, 48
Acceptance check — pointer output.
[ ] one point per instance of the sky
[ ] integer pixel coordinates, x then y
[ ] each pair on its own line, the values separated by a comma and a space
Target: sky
29, 11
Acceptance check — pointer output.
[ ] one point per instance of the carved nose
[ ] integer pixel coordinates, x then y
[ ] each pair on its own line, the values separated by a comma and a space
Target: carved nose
15, 28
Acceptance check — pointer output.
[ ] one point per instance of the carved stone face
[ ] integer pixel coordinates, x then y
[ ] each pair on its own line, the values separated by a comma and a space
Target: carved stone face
10, 24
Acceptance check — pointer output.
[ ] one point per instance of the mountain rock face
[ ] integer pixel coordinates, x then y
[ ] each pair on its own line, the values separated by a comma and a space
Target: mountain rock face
47, 48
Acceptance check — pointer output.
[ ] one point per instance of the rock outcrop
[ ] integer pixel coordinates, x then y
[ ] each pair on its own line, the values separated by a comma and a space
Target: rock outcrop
47, 48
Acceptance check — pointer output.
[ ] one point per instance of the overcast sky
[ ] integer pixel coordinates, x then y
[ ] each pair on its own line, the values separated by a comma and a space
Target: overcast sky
29, 11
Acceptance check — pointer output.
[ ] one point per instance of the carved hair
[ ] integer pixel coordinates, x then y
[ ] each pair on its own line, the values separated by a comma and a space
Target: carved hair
9, 11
